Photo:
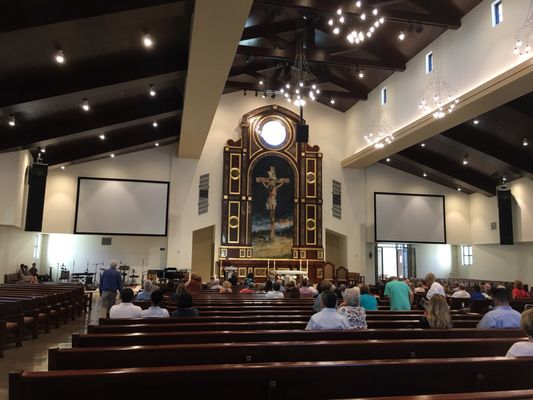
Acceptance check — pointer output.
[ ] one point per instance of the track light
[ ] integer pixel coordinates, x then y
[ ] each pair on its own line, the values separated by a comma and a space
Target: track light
245, 92
476, 122
360, 74
332, 101
264, 95
148, 42
525, 142
152, 91
422, 145
60, 57
63, 167
12, 121
388, 160
401, 36
424, 174
43, 150
465, 160
156, 144
504, 178
458, 189
85, 105
154, 124
102, 137
112, 155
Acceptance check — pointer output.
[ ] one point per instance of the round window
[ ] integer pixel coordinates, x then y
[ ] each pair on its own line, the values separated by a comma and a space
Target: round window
273, 133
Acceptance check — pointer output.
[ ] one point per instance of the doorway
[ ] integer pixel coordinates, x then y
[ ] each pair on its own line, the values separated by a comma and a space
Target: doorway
336, 248
203, 252
395, 259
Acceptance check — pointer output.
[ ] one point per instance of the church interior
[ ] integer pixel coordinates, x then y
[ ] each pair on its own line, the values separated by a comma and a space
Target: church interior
258, 164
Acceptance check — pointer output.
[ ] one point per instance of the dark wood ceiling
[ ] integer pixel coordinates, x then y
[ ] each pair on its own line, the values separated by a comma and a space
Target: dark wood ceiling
275, 28
493, 144
106, 63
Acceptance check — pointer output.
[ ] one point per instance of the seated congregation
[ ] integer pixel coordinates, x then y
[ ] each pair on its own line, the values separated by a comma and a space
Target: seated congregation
280, 328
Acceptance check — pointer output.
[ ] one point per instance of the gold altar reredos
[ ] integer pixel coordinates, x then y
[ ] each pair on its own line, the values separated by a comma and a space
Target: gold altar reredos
240, 158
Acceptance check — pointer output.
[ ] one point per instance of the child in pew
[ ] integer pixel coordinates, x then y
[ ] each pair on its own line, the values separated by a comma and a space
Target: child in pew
437, 314
185, 309
524, 349
155, 311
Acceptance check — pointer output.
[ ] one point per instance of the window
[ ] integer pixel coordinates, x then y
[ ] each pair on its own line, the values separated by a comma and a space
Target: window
36, 246
203, 194
384, 96
497, 12
466, 254
337, 199
429, 62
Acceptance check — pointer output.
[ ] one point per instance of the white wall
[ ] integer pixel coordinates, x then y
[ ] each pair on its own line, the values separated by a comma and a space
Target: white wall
13, 167
16, 247
467, 58
436, 258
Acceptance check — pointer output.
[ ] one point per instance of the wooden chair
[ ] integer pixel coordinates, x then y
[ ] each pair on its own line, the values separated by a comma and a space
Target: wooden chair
328, 271
341, 275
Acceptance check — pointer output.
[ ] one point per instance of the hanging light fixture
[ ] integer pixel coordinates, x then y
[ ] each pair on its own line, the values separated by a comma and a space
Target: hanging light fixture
358, 26
380, 133
439, 97
524, 35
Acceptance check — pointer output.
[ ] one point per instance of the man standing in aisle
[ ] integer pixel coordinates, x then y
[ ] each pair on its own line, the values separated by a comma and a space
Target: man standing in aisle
110, 283
399, 294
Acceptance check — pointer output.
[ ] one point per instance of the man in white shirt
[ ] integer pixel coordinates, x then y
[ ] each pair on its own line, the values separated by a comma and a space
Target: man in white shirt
434, 287
275, 293
155, 311
125, 309
328, 317
216, 284
461, 293
524, 349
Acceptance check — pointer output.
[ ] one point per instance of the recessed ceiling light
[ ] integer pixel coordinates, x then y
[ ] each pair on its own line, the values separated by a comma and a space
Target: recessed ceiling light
525, 142
476, 122
43, 150
401, 36
152, 90
12, 121
148, 41
458, 189
154, 124
388, 160
85, 105
60, 57
157, 144
102, 137
112, 155
422, 145
62, 167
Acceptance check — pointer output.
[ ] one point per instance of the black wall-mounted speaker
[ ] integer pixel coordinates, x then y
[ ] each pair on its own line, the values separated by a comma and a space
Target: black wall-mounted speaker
36, 190
302, 133
505, 215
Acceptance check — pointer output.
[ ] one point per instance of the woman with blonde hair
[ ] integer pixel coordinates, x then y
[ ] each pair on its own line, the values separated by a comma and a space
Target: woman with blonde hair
437, 314
351, 309
226, 287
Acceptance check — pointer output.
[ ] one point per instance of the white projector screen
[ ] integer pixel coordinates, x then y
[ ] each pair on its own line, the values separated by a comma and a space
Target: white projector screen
409, 218
121, 207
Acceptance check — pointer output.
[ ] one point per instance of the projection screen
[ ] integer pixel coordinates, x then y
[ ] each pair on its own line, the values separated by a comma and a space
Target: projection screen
409, 218
121, 207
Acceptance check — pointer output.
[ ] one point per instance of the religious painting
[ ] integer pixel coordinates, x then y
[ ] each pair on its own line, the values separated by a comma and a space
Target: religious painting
260, 272
272, 208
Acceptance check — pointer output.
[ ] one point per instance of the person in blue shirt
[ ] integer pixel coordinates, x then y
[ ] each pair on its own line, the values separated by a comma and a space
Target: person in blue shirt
476, 294
110, 283
146, 293
367, 301
502, 316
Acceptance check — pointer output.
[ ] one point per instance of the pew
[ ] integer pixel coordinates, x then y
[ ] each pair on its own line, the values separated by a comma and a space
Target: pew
149, 338
261, 352
282, 380
496, 395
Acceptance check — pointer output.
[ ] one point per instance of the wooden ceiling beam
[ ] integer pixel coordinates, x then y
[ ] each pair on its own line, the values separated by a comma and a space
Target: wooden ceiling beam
316, 56
40, 13
87, 75
89, 147
252, 87
263, 30
444, 20
493, 146
356, 89
428, 159
72, 125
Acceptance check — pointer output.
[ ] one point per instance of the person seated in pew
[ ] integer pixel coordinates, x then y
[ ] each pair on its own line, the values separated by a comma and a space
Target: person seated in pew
216, 284
125, 309
275, 293
328, 317
154, 311
352, 310
306, 290
437, 315
434, 287
226, 287
180, 289
185, 309
194, 285
399, 295
524, 349
292, 292
146, 292
249, 279
367, 301
420, 288
324, 286
461, 292
502, 316
33, 271
233, 279
267, 287
476, 294
248, 288
340, 291
486, 290
518, 290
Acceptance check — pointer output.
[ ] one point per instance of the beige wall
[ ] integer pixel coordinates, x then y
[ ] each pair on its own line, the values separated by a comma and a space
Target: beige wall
16, 247
13, 167
336, 249
203, 252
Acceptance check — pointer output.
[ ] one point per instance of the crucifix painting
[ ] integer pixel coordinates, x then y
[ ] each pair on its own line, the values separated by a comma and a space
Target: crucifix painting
272, 208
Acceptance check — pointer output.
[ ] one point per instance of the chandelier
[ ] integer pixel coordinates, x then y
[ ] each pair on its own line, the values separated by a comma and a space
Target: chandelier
359, 26
524, 35
380, 133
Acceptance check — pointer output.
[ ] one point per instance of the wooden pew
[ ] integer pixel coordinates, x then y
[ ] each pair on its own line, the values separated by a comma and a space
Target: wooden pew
260, 352
309, 380
496, 395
